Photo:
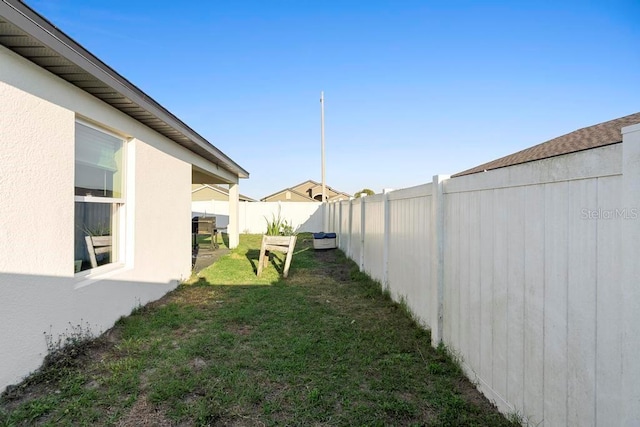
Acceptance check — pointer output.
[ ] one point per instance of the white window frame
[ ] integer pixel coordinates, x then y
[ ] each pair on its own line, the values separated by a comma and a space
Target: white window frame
118, 202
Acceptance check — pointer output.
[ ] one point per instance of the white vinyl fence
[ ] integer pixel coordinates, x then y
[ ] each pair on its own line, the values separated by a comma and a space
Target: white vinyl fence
305, 216
530, 274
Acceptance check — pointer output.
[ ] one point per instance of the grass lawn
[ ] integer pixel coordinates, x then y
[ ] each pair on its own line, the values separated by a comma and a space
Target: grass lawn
324, 347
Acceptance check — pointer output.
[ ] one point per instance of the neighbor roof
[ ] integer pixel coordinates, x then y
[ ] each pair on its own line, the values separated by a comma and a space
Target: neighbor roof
317, 184
285, 190
309, 181
31, 36
599, 135
221, 190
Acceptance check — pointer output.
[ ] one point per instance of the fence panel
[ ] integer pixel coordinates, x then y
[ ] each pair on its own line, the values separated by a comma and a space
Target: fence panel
410, 243
217, 208
331, 217
534, 241
523, 293
374, 238
345, 226
304, 216
355, 243
531, 288
609, 336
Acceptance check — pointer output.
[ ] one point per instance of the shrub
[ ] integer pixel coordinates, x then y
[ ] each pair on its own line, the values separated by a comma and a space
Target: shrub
279, 226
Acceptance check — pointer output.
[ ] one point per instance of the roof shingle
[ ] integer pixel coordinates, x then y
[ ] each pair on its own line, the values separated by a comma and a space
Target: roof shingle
582, 139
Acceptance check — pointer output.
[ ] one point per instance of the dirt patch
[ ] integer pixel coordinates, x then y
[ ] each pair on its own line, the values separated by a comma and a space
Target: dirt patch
238, 421
44, 381
195, 296
242, 330
198, 364
142, 413
331, 267
112, 336
470, 394
186, 332
145, 379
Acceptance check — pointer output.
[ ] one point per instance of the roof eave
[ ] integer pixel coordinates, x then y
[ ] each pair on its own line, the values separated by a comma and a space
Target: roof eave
38, 28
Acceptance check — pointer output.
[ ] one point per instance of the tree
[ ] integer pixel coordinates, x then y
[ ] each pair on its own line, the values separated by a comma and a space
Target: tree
366, 191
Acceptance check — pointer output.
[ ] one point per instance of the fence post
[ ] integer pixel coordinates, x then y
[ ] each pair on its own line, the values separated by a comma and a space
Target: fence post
437, 259
339, 230
350, 227
362, 229
325, 217
333, 218
630, 247
385, 240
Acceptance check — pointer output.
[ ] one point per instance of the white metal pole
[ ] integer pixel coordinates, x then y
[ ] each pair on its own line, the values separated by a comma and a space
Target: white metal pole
324, 185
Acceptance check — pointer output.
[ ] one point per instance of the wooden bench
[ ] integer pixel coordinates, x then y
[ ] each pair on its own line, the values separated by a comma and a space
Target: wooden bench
98, 245
283, 244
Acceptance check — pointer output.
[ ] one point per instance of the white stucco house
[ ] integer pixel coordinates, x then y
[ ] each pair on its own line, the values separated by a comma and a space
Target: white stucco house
95, 191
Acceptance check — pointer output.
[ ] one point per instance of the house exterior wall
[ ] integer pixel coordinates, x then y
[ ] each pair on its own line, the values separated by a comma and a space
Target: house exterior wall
339, 197
312, 190
38, 288
36, 139
282, 197
206, 194
305, 188
162, 216
537, 278
304, 192
201, 193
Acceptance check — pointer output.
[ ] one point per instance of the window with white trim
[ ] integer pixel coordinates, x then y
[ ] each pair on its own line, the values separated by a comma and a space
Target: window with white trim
99, 196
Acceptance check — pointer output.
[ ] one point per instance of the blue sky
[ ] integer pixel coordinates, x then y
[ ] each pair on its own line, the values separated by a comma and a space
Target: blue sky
412, 88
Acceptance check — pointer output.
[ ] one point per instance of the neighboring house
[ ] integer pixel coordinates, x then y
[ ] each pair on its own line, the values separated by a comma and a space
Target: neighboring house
95, 190
308, 191
207, 192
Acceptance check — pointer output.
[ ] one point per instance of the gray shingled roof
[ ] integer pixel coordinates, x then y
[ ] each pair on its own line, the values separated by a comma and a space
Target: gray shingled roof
582, 139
